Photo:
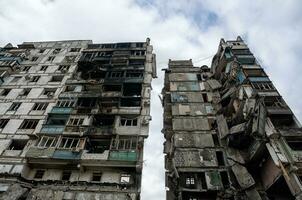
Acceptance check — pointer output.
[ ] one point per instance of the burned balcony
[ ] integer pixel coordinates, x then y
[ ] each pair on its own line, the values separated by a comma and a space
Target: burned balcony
85, 105
132, 89
111, 90
130, 102
104, 124
96, 149
55, 124
91, 72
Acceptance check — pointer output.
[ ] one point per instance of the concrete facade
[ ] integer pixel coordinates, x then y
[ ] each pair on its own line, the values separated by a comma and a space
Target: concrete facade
74, 116
229, 133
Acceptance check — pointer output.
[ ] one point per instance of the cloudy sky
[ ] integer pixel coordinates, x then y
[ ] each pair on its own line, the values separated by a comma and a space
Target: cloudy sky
180, 29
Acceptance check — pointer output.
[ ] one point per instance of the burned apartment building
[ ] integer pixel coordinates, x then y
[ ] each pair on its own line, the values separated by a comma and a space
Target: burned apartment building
228, 132
73, 119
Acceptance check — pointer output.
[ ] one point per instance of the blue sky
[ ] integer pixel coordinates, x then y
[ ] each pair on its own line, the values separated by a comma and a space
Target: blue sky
179, 29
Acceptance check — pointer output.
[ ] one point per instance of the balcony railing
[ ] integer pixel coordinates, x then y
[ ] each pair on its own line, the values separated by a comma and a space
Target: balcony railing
123, 155
52, 129
61, 110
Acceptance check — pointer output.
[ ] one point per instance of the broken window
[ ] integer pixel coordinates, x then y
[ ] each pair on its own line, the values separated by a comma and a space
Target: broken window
124, 143
103, 120
274, 101
123, 45
17, 144
205, 97
40, 106
46, 142
29, 124
57, 120
128, 122
199, 77
24, 93
70, 143
220, 158
75, 121
25, 68
34, 59
39, 174
98, 145
5, 92
295, 145
41, 50
225, 179
65, 103
202, 178
105, 53
96, 176
253, 72
136, 62
70, 58
56, 51
49, 91
112, 88
66, 175
263, 86
131, 102
134, 74
3, 122
125, 178
132, 89
44, 68
138, 53
115, 74
63, 68
50, 58
56, 78
34, 79
75, 50
14, 106
86, 102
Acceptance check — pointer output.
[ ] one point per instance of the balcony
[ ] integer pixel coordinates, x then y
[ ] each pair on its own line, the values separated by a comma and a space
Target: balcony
52, 129
61, 110
130, 156
66, 155
246, 59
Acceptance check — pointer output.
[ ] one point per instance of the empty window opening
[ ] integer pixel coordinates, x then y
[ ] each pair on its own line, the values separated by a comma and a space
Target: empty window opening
215, 139
75, 50
105, 54
103, 120
70, 58
136, 62
75, 121
49, 91
203, 180
225, 179
253, 72
50, 58
125, 178
98, 145
131, 102
128, 143
63, 68
199, 77
112, 88
17, 144
59, 120
295, 145
41, 50
56, 78
46, 142
86, 102
138, 53
66, 175
34, 79
25, 68
5, 92
24, 92
132, 89
14, 106
220, 158
274, 101
115, 74
39, 174
29, 124
3, 122
34, 59
128, 122
65, 103
205, 97
44, 68
96, 176
56, 51
40, 106
134, 74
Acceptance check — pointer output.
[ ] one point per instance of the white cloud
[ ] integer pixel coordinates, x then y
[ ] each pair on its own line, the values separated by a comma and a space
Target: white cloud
178, 30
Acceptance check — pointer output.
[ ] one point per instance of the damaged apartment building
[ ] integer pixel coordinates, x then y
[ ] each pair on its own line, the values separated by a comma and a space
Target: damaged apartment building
73, 119
228, 132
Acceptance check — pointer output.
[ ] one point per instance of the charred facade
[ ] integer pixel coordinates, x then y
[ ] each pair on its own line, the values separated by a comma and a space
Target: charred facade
229, 133
74, 116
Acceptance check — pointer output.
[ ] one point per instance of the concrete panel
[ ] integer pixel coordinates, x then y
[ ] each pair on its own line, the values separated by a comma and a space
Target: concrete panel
35, 93
24, 108
12, 126
4, 144
110, 177
191, 124
193, 140
4, 107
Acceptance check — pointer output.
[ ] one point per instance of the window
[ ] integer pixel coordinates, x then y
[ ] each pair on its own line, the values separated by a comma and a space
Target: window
70, 58
125, 178
39, 174
40, 106
29, 124
128, 122
86, 102
70, 143
63, 67
49, 91
134, 74
98, 145
115, 74
220, 158
15, 79
46, 142
43, 68
75, 121
50, 58
24, 92
96, 176
56, 79
14, 106
5, 92
66, 175
138, 53
129, 143
41, 50
190, 181
205, 97
75, 49
3, 122
65, 103
112, 88
263, 86
17, 144
35, 79
34, 59
25, 68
